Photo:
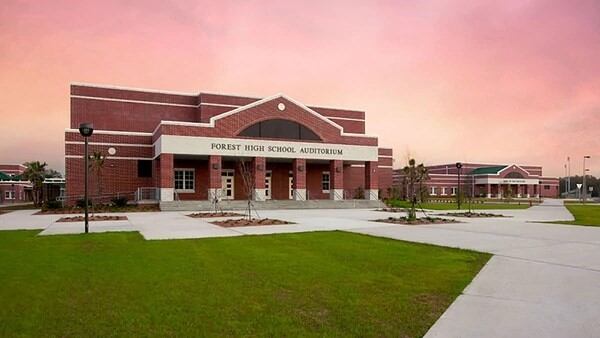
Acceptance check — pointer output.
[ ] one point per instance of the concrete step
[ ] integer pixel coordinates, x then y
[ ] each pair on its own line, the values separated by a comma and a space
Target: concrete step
271, 204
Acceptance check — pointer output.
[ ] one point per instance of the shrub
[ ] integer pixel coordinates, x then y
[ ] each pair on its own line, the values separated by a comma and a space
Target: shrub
359, 193
119, 201
81, 203
52, 205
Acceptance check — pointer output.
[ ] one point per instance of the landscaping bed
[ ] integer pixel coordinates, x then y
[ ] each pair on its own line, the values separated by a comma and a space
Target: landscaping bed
392, 209
100, 209
213, 214
244, 222
473, 214
94, 218
418, 221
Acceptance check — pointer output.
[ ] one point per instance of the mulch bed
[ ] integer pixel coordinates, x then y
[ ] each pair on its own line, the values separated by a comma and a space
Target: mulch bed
473, 214
93, 218
99, 210
418, 221
392, 209
244, 222
214, 214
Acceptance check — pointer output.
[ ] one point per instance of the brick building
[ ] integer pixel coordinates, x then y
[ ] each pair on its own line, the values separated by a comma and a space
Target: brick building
488, 180
12, 188
188, 146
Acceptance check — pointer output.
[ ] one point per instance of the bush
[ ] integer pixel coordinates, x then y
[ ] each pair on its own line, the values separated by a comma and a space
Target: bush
119, 201
81, 203
359, 193
52, 205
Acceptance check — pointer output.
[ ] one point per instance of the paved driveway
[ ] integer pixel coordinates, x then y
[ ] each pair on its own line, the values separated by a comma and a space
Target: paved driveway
543, 281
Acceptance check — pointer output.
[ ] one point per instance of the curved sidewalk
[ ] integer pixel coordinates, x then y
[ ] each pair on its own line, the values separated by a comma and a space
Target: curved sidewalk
543, 280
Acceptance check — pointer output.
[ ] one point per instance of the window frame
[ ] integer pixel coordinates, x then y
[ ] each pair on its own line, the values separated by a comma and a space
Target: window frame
9, 195
185, 182
432, 191
262, 130
323, 181
453, 191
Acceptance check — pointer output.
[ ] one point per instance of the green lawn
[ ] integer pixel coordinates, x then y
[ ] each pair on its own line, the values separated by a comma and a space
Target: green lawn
464, 206
584, 214
309, 284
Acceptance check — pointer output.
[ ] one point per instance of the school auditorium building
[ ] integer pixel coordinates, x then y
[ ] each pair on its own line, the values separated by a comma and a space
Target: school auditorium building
487, 180
188, 146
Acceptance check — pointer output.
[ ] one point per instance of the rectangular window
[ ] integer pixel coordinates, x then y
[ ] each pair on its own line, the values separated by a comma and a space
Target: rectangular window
184, 180
9, 195
144, 168
547, 187
443, 191
432, 192
454, 190
325, 180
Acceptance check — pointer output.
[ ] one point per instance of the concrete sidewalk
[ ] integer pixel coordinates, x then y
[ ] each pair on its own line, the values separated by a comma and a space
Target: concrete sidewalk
543, 281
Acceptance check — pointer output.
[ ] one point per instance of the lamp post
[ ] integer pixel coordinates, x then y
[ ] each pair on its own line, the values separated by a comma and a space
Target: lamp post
584, 175
86, 130
458, 167
568, 174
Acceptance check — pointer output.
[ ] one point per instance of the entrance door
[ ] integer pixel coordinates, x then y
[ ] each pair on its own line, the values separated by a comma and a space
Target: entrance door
291, 184
268, 175
227, 191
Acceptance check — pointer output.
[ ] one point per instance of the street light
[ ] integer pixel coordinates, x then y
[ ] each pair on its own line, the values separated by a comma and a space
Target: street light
584, 175
458, 167
86, 130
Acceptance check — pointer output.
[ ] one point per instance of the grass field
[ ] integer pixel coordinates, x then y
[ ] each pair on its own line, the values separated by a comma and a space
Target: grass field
309, 284
584, 214
464, 206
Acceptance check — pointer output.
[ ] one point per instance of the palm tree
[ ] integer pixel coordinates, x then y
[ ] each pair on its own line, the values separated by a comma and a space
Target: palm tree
35, 172
414, 175
97, 160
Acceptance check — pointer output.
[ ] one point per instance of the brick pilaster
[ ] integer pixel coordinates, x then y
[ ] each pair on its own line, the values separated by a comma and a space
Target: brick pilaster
336, 179
299, 177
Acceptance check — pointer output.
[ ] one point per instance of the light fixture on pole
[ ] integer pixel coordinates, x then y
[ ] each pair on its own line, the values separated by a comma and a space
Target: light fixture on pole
568, 174
86, 130
585, 170
458, 167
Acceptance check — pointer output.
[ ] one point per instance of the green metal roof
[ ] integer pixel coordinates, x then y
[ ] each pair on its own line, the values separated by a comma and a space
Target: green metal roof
488, 170
4, 177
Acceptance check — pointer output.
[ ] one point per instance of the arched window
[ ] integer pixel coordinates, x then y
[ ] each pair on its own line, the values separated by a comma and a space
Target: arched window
514, 174
279, 128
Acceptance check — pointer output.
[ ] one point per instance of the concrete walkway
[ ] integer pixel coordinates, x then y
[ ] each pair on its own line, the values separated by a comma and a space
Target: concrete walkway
543, 281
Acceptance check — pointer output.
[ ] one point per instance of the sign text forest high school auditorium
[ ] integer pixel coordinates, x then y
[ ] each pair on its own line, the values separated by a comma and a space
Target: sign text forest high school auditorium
188, 146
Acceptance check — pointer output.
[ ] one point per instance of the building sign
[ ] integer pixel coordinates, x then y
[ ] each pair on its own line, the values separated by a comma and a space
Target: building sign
493, 180
191, 145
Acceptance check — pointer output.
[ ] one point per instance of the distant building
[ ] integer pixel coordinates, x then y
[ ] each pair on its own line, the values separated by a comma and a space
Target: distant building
13, 189
487, 180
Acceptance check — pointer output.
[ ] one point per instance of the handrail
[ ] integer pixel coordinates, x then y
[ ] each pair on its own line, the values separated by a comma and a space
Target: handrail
74, 197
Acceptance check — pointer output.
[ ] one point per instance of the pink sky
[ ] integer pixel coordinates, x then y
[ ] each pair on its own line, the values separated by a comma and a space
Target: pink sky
487, 81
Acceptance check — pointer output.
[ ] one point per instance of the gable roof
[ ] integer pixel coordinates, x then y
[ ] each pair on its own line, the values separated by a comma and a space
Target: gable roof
488, 170
213, 119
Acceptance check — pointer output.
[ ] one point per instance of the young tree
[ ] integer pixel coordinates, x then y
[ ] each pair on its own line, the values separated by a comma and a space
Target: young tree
96, 164
248, 180
414, 175
35, 172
